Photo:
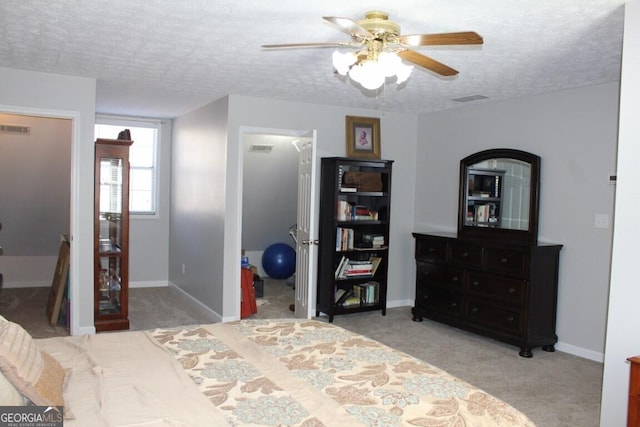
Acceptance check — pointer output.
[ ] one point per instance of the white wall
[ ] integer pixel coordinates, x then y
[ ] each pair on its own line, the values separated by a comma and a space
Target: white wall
41, 94
575, 134
623, 339
198, 207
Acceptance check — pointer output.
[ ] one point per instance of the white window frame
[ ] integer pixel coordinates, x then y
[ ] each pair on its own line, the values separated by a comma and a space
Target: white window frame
129, 122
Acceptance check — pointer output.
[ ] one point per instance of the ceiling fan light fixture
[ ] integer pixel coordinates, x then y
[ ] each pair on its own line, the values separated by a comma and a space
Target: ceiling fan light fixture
370, 73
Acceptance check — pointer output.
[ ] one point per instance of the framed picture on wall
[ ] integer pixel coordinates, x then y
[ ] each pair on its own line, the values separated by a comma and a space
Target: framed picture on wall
363, 137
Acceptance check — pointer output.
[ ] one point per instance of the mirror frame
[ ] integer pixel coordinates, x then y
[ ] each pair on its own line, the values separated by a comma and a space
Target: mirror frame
529, 236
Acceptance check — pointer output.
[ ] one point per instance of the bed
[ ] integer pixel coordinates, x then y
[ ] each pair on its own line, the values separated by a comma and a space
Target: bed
252, 372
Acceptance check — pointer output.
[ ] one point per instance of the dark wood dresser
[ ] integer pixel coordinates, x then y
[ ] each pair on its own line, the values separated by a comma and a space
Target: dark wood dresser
504, 291
633, 411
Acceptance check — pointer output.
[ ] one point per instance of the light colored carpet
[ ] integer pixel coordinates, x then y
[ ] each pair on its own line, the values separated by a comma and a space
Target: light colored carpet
553, 389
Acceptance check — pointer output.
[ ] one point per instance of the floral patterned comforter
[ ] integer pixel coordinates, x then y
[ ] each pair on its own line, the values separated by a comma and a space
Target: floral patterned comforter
310, 373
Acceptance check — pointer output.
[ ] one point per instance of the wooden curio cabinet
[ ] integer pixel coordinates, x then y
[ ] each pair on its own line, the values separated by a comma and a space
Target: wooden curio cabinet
111, 235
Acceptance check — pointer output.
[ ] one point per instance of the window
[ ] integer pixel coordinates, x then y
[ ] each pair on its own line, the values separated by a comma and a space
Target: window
142, 160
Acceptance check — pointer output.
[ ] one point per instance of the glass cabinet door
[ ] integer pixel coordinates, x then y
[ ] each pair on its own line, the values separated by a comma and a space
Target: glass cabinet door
110, 240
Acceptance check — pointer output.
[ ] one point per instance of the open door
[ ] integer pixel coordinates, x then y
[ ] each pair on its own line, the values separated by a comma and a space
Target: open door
306, 243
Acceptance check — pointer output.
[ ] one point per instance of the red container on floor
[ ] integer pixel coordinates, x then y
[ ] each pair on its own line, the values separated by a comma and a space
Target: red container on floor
248, 302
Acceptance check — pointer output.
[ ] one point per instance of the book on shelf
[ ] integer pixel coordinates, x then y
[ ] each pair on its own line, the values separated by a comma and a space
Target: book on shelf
375, 262
345, 238
482, 213
345, 189
342, 297
354, 297
346, 211
343, 210
341, 266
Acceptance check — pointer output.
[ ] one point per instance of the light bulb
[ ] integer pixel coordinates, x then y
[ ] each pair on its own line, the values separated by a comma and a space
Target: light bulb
342, 62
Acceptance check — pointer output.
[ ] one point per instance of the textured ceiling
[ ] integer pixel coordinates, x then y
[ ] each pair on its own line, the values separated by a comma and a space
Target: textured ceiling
163, 58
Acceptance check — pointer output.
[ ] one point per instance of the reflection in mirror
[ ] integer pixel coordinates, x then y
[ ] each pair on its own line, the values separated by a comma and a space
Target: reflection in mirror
507, 182
499, 196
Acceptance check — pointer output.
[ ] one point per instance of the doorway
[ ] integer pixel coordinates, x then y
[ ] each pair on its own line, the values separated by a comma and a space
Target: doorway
35, 172
271, 207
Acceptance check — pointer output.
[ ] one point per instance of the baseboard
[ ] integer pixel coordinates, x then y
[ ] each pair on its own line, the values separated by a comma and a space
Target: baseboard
192, 298
149, 284
400, 303
27, 284
43, 284
580, 352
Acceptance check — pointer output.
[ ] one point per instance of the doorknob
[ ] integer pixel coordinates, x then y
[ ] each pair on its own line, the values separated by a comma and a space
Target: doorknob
310, 242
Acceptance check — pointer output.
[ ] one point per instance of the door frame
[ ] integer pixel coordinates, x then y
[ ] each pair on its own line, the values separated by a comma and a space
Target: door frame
74, 223
245, 130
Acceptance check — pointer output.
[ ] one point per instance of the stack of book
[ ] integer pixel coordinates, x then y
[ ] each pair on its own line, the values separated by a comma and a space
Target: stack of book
351, 268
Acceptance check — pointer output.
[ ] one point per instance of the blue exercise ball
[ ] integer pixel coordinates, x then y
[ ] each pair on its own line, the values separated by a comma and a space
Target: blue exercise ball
279, 261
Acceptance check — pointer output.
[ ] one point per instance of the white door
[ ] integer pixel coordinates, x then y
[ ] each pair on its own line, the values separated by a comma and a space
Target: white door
306, 244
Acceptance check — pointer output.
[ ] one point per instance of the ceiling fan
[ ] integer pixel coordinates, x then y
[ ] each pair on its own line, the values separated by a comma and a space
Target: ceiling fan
377, 34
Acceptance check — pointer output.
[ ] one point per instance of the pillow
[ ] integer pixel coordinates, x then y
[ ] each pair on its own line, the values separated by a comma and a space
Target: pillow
33, 372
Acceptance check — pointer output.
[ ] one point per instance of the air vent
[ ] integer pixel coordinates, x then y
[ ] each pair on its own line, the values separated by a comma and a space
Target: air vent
471, 98
15, 129
261, 148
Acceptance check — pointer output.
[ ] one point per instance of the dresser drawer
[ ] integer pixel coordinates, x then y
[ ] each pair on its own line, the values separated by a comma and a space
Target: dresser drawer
429, 274
512, 261
431, 249
501, 288
496, 317
466, 255
444, 301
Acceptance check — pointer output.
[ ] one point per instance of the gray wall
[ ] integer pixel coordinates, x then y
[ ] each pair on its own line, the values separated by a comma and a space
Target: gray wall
35, 172
198, 208
269, 192
575, 134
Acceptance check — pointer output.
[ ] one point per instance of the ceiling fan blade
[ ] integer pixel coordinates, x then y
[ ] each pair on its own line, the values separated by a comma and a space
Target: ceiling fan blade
349, 26
426, 62
302, 45
467, 37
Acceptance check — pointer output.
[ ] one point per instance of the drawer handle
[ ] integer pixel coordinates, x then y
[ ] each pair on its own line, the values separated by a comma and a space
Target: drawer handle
455, 279
432, 249
510, 319
465, 254
475, 310
504, 260
454, 304
475, 283
512, 291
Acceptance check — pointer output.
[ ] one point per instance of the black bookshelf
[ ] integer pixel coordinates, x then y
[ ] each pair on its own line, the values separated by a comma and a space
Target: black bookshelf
353, 256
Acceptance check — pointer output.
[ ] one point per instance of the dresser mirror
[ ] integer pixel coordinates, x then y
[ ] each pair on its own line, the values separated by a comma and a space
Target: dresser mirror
499, 192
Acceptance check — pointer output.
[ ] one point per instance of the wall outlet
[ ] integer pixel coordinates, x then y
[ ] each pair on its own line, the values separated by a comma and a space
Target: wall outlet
602, 221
